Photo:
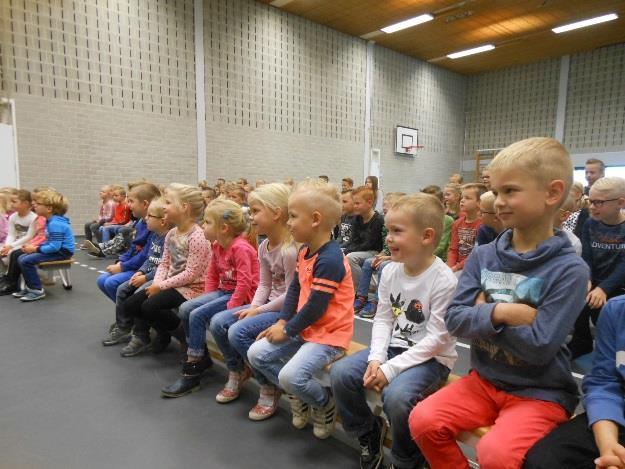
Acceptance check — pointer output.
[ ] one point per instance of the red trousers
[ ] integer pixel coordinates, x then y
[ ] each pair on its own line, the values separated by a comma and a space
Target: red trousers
472, 402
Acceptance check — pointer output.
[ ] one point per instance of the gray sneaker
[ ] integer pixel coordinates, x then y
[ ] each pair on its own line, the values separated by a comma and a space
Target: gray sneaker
21, 293
34, 295
117, 336
136, 346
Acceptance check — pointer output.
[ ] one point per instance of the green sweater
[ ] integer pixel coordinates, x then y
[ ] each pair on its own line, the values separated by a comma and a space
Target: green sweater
443, 244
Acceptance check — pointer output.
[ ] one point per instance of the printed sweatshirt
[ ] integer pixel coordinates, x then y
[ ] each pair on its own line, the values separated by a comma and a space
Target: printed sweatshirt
603, 249
527, 361
155, 254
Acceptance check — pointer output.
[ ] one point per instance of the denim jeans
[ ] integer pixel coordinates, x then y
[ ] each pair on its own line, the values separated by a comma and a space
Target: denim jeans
196, 316
219, 326
125, 291
365, 278
399, 398
292, 365
109, 283
92, 230
356, 260
107, 232
28, 266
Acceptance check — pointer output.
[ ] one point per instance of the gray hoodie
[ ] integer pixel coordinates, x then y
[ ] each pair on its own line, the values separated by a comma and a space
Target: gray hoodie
527, 361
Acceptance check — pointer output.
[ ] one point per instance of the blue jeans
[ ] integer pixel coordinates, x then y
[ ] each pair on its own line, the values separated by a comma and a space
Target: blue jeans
242, 334
219, 326
399, 398
109, 283
28, 266
196, 316
365, 278
292, 365
107, 232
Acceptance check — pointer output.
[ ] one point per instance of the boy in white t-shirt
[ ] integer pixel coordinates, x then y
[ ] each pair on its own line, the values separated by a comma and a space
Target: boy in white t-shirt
22, 226
411, 352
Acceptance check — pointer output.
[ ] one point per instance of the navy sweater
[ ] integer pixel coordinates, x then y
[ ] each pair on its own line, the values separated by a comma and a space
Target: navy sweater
603, 249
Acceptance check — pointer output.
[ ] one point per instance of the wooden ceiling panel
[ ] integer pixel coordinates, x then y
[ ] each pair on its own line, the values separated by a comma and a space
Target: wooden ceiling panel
520, 29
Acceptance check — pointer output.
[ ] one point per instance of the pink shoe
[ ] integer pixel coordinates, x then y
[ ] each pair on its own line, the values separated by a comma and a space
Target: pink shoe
233, 387
267, 403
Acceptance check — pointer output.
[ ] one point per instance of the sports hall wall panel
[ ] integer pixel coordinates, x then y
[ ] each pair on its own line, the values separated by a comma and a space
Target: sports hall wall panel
104, 91
284, 96
595, 118
415, 94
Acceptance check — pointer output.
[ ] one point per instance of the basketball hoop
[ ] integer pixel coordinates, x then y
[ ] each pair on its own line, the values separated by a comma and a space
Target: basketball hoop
412, 149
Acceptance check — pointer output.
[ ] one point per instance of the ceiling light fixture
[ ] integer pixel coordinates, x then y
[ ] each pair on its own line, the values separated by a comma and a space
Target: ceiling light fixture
475, 50
409, 23
584, 23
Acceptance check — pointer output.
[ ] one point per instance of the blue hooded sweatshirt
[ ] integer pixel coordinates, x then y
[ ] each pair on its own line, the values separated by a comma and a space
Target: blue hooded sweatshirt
604, 398
526, 361
137, 253
59, 236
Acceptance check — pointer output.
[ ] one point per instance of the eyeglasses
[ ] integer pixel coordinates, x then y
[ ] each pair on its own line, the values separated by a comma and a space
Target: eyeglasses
488, 213
153, 216
600, 203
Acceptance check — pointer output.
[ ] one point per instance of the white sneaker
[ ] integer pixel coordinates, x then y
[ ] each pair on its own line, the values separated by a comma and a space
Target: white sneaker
324, 419
300, 412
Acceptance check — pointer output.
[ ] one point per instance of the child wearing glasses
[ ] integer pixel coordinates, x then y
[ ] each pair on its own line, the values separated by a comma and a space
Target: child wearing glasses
603, 249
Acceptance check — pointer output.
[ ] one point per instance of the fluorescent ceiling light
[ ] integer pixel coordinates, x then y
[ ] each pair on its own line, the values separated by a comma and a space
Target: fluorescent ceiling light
584, 23
475, 50
408, 23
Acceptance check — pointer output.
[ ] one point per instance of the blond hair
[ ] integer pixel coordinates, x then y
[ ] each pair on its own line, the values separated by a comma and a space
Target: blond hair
118, 188
322, 197
542, 158
434, 190
478, 187
53, 199
568, 205
5, 202
274, 196
613, 185
425, 211
227, 212
157, 207
186, 194
582, 201
488, 197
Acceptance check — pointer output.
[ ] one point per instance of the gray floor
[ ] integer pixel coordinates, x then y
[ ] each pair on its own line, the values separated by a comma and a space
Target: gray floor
68, 402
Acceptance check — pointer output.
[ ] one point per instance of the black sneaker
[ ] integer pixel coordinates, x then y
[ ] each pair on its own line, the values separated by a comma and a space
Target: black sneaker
183, 386
160, 343
7, 289
371, 445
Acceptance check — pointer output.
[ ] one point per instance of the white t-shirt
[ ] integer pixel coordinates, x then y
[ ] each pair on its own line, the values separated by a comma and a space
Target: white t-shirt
21, 230
411, 315
575, 242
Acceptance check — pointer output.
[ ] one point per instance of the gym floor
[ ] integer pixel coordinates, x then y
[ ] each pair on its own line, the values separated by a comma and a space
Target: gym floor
68, 402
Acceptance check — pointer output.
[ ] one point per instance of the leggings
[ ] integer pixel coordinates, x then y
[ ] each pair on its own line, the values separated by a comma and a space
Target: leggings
157, 309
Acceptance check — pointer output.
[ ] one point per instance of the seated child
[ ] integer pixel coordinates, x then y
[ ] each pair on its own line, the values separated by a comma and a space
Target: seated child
158, 226
236, 329
561, 216
5, 205
448, 221
230, 285
59, 243
603, 249
317, 322
139, 200
22, 227
491, 225
343, 231
179, 276
451, 197
464, 229
411, 352
105, 214
596, 438
365, 305
121, 215
366, 232
516, 301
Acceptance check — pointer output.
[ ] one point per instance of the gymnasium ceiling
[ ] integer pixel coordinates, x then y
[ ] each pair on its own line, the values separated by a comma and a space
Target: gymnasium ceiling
520, 29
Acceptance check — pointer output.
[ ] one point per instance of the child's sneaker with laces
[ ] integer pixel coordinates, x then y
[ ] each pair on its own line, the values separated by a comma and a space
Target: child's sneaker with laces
33, 295
136, 346
231, 391
368, 312
300, 412
117, 336
20, 293
267, 403
371, 445
324, 419
359, 303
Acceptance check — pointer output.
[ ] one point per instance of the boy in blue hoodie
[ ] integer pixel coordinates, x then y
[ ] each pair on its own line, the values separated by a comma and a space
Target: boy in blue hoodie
59, 244
516, 301
139, 200
596, 438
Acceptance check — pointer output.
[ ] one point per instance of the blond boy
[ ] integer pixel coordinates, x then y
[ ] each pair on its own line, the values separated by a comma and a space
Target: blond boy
107, 208
318, 316
516, 301
491, 225
603, 249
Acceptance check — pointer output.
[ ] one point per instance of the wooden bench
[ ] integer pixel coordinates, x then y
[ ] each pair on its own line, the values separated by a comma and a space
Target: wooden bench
62, 268
469, 438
